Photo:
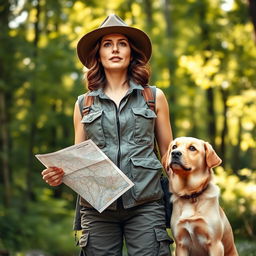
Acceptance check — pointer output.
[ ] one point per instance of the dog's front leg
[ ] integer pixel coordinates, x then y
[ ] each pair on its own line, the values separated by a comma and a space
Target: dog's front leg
181, 251
182, 242
216, 248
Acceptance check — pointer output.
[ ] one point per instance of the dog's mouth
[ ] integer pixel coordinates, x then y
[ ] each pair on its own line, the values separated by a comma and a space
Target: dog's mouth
178, 165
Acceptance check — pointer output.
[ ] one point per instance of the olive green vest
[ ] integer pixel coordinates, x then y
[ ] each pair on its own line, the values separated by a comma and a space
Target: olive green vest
126, 135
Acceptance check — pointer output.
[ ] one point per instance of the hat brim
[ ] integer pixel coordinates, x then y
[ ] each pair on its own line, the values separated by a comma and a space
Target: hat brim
136, 36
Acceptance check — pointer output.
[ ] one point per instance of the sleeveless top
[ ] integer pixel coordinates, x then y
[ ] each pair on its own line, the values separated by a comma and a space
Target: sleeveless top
126, 135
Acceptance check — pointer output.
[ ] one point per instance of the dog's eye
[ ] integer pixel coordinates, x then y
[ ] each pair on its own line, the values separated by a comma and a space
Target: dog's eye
192, 148
174, 146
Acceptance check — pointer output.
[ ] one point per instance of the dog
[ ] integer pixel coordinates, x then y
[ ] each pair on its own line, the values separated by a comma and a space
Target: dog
199, 225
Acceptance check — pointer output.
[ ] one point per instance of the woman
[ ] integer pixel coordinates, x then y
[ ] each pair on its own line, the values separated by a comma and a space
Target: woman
124, 127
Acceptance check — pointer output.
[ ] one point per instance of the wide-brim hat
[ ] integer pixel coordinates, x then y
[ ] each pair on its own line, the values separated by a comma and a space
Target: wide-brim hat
111, 25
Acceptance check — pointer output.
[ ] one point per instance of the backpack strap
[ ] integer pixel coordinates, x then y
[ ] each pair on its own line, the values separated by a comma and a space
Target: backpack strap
84, 109
149, 97
88, 101
149, 94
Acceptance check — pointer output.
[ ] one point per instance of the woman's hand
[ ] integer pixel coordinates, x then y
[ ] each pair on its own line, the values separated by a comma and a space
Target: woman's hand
53, 176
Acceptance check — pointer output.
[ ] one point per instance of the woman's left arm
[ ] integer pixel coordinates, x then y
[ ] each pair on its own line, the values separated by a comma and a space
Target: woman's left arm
163, 130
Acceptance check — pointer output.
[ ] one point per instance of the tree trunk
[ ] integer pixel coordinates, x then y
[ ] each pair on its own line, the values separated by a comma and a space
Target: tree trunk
252, 11
171, 62
236, 156
224, 132
193, 115
149, 14
32, 97
4, 120
211, 116
205, 33
5, 150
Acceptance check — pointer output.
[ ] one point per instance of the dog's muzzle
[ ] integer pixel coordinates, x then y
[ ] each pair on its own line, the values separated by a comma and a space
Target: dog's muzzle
176, 160
176, 154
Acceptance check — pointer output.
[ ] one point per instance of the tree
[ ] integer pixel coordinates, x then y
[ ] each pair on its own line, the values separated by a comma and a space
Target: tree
5, 99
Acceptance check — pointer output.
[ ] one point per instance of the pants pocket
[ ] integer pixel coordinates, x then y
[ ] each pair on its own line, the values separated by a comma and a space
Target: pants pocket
83, 241
82, 253
164, 242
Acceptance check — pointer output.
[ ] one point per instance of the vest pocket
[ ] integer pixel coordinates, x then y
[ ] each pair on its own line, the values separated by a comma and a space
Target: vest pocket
146, 174
93, 127
144, 125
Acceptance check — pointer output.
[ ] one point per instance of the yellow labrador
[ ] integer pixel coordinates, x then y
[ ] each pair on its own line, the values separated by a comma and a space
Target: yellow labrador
200, 227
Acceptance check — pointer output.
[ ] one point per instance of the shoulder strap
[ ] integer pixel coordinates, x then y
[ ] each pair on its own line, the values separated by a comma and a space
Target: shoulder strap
149, 94
88, 101
149, 97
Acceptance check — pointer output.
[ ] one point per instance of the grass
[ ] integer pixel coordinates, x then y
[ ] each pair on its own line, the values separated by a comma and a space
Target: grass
246, 248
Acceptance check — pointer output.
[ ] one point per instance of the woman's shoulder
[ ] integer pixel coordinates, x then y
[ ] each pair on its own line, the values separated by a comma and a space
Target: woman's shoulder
159, 93
161, 101
80, 97
155, 88
80, 102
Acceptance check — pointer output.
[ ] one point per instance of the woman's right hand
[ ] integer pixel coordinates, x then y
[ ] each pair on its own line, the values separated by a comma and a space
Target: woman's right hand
53, 176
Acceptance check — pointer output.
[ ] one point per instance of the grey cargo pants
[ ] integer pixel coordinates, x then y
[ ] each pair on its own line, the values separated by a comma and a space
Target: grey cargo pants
142, 227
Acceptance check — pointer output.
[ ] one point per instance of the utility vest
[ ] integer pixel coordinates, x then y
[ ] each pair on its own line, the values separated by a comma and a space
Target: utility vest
126, 135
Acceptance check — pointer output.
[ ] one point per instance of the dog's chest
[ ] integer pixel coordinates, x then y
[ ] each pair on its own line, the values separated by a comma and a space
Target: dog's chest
191, 230
191, 225
187, 209
190, 217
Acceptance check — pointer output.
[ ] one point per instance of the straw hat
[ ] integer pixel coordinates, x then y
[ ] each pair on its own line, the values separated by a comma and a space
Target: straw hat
113, 24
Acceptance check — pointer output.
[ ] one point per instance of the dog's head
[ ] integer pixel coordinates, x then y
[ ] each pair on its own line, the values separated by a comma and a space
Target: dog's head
186, 155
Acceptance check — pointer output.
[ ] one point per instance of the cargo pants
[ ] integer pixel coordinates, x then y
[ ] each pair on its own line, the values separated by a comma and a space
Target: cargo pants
141, 227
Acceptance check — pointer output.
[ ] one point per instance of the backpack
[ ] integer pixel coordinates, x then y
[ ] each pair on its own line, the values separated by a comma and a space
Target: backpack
149, 95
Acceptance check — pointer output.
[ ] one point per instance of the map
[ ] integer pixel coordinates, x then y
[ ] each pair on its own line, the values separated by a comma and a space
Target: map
90, 173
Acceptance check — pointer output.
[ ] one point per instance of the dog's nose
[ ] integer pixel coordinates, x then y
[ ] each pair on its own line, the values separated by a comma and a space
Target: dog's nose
176, 154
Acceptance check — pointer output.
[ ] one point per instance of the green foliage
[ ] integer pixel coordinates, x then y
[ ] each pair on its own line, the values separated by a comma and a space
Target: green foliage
246, 248
238, 199
47, 218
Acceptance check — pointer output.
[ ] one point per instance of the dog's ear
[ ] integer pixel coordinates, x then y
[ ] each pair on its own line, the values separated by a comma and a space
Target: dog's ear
212, 159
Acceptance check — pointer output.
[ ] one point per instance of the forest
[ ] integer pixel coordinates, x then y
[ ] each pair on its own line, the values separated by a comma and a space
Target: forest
204, 59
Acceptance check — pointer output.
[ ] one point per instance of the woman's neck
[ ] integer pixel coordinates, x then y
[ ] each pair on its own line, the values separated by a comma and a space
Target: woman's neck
116, 81
116, 86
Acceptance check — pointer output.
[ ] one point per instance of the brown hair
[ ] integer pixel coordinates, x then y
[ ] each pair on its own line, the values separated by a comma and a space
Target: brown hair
138, 69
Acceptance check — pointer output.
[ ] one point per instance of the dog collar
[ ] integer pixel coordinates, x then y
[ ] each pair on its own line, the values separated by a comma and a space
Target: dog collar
194, 196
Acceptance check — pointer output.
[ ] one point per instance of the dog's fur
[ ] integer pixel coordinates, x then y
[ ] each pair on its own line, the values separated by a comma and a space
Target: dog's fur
200, 227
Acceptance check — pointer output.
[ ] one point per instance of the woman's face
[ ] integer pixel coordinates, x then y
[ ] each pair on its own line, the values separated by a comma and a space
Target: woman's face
115, 52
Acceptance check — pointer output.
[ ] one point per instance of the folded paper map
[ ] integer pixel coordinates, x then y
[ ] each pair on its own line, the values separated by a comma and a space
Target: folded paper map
90, 173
